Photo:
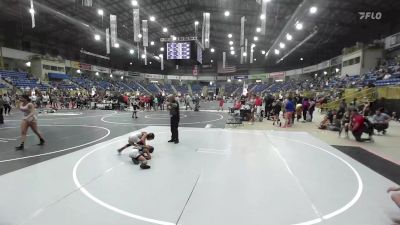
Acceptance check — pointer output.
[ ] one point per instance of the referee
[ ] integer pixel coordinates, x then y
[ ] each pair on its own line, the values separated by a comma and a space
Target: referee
173, 107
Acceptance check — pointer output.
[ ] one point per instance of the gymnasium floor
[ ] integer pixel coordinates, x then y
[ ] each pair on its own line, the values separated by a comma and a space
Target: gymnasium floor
214, 176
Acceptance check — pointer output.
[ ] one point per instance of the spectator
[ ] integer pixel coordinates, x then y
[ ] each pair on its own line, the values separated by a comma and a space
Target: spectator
358, 126
289, 110
305, 106
381, 121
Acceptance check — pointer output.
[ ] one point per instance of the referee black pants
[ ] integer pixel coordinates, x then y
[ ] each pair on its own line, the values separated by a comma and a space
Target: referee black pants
174, 128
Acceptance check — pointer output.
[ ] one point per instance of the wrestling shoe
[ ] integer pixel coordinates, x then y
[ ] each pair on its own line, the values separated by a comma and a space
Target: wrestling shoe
144, 166
41, 142
135, 161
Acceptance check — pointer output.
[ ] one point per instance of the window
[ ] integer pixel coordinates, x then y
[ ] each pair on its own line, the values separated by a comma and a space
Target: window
46, 67
54, 68
357, 60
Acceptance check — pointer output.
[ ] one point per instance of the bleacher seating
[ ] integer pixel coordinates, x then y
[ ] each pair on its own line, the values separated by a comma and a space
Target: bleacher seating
183, 89
167, 88
21, 80
63, 85
152, 88
196, 88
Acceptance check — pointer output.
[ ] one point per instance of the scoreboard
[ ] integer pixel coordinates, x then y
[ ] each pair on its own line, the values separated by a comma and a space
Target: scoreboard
178, 50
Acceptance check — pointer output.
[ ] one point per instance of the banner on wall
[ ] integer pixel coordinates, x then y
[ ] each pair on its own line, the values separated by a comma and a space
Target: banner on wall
85, 66
153, 76
323, 65
173, 77
277, 75
392, 41
100, 69
188, 78
241, 77
261, 76
119, 72
75, 64
310, 69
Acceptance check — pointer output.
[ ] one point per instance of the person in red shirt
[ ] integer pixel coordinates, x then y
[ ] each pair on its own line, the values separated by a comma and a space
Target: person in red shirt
237, 105
258, 103
221, 104
358, 126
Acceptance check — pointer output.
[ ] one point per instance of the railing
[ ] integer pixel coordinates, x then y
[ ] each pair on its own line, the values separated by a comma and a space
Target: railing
368, 94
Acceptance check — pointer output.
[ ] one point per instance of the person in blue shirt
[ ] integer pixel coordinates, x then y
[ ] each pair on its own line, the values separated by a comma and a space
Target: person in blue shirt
289, 110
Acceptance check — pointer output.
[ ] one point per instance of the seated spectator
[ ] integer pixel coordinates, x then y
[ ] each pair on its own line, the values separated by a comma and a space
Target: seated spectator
395, 117
324, 123
381, 121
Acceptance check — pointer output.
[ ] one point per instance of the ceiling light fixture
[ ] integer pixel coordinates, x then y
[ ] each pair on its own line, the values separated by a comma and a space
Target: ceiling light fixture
258, 29
165, 30
152, 43
227, 13
232, 52
229, 35
100, 12
162, 49
289, 37
262, 17
230, 42
196, 23
135, 3
116, 45
276, 51
255, 38
152, 18
97, 37
212, 50
131, 51
282, 45
313, 9
299, 26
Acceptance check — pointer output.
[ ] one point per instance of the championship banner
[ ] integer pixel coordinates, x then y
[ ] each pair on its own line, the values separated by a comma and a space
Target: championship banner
32, 12
162, 61
136, 25
241, 54
223, 60
245, 50
206, 30
113, 28
145, 56
108, 40
242, 20
263, 12
145, 35
251, 54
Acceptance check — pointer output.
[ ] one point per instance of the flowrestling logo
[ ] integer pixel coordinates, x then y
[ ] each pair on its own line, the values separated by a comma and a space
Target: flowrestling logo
370, 15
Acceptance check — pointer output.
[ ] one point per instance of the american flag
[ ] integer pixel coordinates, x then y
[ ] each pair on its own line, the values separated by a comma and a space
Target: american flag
228, 68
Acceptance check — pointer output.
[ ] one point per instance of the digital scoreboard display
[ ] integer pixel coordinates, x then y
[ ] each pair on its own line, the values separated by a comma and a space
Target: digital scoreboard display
178, 50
